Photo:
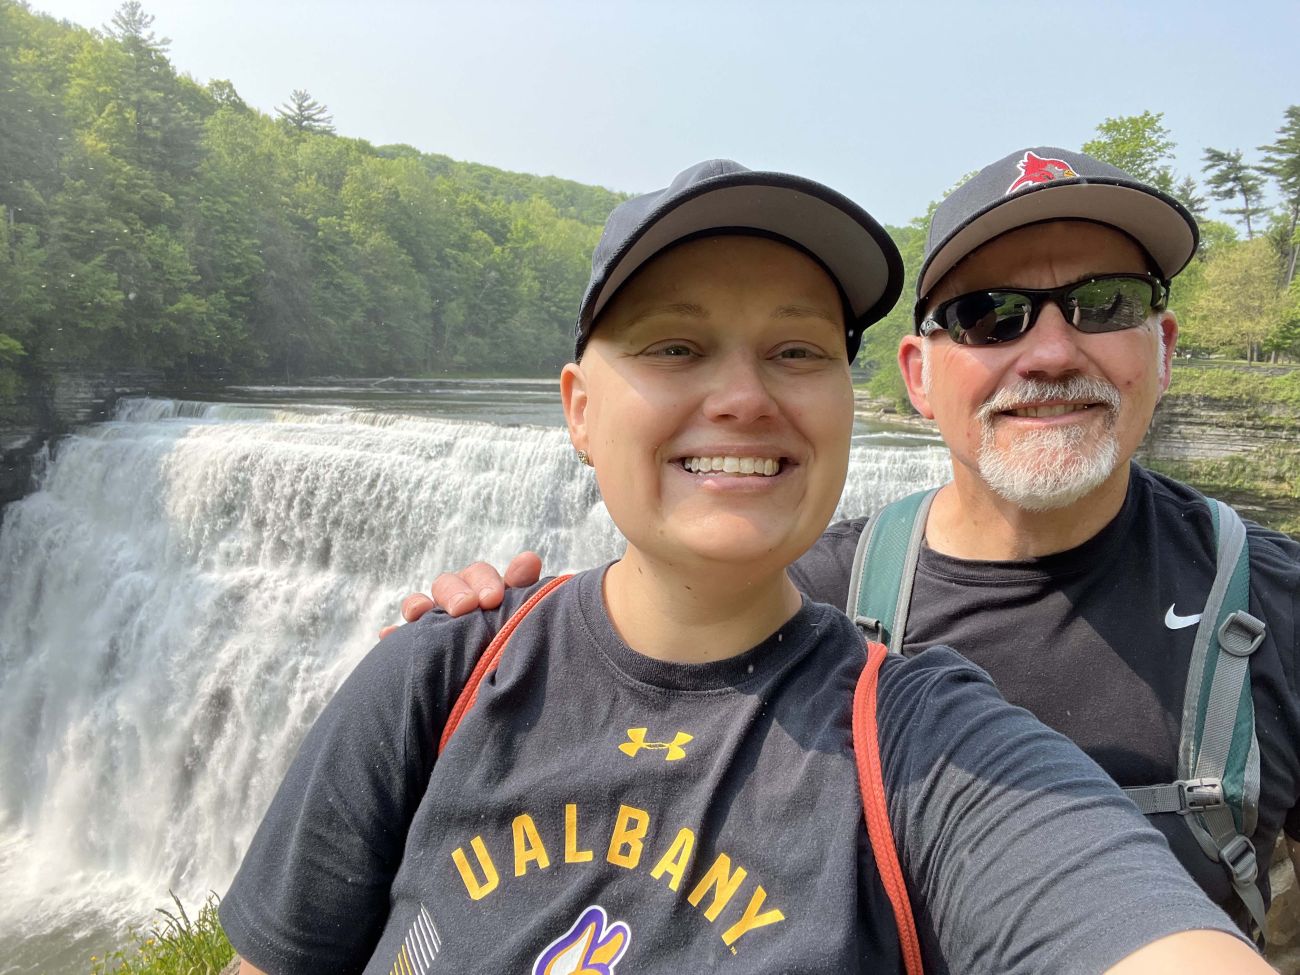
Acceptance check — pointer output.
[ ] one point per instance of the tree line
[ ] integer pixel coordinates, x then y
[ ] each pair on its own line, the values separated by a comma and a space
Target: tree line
148, 220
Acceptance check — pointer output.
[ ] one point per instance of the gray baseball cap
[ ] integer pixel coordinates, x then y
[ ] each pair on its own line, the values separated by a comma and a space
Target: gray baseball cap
721, 196
1045, 183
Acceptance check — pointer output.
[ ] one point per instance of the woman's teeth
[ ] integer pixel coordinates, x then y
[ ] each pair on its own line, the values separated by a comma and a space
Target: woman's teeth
764, 466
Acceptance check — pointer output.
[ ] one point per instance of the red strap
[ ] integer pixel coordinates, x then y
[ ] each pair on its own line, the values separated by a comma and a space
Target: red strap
488, 661
866, 748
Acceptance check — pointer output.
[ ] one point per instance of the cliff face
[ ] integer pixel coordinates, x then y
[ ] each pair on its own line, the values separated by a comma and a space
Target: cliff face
47, 408
1195, 428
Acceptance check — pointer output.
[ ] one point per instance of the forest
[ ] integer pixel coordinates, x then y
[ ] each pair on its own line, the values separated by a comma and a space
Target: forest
148, 220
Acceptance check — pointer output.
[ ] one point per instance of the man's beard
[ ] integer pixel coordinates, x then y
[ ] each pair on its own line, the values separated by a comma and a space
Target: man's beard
1053, 467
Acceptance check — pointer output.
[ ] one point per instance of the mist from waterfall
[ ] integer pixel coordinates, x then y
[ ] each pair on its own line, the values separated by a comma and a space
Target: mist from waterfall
188, 586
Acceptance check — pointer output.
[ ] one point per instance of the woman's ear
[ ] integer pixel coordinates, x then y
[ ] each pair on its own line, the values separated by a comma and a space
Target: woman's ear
911, 362
573, 394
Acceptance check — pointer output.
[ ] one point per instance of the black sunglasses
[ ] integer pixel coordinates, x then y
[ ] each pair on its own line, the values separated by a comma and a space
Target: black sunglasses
1106, 303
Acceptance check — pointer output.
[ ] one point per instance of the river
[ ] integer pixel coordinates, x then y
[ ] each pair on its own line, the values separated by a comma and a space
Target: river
191, 581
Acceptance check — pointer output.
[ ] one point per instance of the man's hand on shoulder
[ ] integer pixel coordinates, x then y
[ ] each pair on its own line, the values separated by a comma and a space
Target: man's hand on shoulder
477, 586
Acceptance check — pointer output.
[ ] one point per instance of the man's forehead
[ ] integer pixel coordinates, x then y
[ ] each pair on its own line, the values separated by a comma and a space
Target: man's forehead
1055, 251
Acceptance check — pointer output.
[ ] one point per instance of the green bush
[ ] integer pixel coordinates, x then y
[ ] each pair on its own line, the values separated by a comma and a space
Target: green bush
176, 945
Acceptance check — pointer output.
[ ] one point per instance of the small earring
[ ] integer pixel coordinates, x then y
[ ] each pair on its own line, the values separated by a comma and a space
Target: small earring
584, 458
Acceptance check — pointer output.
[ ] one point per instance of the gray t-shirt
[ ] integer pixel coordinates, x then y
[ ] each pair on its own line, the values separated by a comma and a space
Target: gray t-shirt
598, 807
1095, 642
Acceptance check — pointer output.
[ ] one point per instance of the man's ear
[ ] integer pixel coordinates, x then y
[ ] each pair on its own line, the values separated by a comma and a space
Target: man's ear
1168, 326
573, 394
910, 358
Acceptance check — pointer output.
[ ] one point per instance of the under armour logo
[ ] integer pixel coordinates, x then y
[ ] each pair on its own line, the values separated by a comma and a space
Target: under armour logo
636, 741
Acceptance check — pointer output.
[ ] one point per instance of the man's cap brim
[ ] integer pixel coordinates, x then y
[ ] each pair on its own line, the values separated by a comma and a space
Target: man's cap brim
1157, 222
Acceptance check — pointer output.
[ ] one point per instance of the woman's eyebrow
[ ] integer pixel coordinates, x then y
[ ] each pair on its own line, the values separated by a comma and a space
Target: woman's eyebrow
682, 309
804, 311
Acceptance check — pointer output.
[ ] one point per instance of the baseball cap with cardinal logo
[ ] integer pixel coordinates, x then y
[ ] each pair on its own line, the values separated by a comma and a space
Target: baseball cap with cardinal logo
1045, 183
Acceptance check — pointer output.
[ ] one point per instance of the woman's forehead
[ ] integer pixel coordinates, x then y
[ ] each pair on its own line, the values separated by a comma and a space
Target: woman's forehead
710, 277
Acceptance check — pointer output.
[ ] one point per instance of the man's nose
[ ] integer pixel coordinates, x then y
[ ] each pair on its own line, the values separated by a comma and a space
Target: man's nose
1051, 347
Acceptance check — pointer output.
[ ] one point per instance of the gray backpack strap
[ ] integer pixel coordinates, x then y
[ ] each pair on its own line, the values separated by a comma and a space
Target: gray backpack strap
1218, 757
884, 568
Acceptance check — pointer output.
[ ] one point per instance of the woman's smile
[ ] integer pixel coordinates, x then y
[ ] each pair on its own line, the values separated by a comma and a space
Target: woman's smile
715, 403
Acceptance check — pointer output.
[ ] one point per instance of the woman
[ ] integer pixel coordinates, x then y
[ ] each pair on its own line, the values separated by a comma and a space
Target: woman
659, 776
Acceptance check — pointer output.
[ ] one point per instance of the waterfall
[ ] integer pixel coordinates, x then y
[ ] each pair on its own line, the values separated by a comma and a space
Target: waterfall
189, 584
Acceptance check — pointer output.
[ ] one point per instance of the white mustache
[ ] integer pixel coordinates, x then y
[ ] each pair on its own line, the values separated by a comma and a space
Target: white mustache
1076, 388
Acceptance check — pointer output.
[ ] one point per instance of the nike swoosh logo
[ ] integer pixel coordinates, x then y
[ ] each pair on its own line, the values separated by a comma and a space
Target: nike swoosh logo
1176, 622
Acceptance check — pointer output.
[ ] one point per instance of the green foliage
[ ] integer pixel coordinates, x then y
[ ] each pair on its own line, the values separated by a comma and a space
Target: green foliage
1237, 386
1238, 307
1229, 178
1282, 163
880, 343
176, 945
1138, 144
148, 221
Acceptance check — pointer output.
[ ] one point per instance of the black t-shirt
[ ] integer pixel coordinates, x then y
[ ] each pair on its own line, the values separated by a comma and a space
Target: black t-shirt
598, 807
1083, 639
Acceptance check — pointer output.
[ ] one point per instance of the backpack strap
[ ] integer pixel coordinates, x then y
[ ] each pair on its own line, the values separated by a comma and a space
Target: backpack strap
871, 783
1217, 792
879, 599
487, 662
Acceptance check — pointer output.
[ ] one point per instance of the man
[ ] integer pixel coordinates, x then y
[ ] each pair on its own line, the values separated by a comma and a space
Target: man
1072, 575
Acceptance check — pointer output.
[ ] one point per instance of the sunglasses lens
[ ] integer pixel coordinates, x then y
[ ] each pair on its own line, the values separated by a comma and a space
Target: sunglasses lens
987, 317
1110, 305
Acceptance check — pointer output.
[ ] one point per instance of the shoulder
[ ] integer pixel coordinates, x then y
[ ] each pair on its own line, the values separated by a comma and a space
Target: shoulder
823, 571
429, 661
1272, 552
921, 688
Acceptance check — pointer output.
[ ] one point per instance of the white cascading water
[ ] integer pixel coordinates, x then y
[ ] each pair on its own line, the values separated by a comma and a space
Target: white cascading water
185, 590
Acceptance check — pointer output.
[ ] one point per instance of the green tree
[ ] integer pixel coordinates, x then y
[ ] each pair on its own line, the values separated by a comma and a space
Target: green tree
1229, 178
1282, 163
1138, 144
1188, 193
302, 113
1240, 308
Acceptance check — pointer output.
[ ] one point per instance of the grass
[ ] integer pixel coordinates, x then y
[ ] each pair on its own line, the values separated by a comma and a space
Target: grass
1267, 387
175, 945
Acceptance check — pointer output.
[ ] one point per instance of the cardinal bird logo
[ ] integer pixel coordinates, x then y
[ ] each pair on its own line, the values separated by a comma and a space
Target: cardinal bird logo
1035, 169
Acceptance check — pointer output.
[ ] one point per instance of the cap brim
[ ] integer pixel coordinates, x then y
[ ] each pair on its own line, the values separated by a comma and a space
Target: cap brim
855, 249
1157, 222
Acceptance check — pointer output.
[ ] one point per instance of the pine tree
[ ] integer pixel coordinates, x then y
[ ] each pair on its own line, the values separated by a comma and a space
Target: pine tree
1188, 193
1282, 162
303, 113
1229, 178
134, 28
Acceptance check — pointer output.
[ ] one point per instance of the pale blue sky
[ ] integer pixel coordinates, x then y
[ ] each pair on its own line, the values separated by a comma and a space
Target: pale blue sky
889, 103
